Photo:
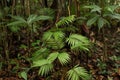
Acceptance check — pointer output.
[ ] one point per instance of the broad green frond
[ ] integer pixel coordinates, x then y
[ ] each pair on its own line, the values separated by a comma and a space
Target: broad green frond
43, 18
52, 56
64, 58
92, 20
31, 19
78, 73
94, 8
40, 63
34, 18
45, 69
18, 18
101, 23
111, 8
66, 20
78, 42
15, 23
115, 16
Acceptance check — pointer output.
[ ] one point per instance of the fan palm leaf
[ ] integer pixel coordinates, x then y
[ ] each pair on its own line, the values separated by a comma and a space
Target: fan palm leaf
64, 58
78, 42
78, 73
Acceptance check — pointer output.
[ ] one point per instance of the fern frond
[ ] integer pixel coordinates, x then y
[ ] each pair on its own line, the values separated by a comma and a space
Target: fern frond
78, 42
78, 73
66, 20
64, 58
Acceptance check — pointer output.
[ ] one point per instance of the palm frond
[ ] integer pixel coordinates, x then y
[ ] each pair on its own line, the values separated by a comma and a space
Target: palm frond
64, 58
45, 69
54, 39
53, 56
33, 18
78, 42
47, 36
66, 20
40, 63
78, 73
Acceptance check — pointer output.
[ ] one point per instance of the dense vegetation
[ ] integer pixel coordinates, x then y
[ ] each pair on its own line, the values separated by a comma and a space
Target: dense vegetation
59, 40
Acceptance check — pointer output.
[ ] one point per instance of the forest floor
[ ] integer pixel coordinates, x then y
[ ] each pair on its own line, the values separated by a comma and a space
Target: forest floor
101, 66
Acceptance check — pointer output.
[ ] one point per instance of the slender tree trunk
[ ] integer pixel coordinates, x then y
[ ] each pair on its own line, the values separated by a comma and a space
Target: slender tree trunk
77, 7
27, 7
13, 6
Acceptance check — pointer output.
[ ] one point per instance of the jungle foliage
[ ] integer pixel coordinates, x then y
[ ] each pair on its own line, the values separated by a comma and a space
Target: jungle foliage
42, 39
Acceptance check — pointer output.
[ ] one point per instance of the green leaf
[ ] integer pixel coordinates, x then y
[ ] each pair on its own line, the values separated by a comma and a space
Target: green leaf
18, 18
65, 20
53, 56
94, 8
45, 69
40, 63
116, 16
97, 9
92, 20
31, 19
14, 28
40, 54
23, 75
15, 23
34, 18
101, 23
78, 42
47, 35
44, 18
78, 73
111, 8
64, 58
54, 39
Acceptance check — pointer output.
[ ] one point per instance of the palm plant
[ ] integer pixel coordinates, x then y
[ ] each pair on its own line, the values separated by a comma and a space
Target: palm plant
56, 40
29, 24
102, 16
21, 22
46, 65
